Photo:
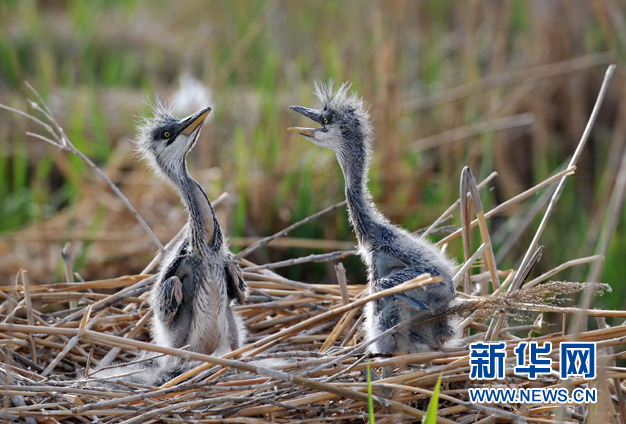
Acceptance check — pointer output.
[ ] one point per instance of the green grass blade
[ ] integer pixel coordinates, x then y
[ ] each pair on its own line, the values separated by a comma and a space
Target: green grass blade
431, 412
370, 400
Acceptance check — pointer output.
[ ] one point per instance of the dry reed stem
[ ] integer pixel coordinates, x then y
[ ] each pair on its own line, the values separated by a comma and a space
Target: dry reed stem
465, 203
462, 272
29, 310
173, 401
574, 262
271, 340
268, 372
287, 230
325, 257
340, 271
455, 205
520, 197
110, 283
85, 324
482, 225
62, 142
496, 325
472, 130
520, 226
66, 254
341, 326
110, 357
516, 76
415, 283
563, 180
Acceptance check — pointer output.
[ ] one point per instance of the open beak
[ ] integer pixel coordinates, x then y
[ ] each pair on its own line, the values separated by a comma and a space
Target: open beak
312, 114
195, 121
303, 131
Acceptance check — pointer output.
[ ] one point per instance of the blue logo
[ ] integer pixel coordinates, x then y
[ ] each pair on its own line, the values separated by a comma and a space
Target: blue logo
487, 360
536, 365
578, 359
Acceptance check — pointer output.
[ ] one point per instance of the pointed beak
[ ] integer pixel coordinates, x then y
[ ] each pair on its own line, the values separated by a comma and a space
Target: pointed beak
312, 114
195, 121
303, 131
309, 113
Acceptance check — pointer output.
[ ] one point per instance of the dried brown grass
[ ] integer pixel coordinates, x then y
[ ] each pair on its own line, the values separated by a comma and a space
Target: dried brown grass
288, 322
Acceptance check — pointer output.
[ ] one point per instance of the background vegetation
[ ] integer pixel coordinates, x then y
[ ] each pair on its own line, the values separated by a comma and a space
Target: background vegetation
441, 77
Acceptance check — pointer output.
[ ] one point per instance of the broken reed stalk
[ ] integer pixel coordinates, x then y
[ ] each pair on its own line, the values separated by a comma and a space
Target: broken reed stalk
29, 309
464, 203
462, 272
340, 271
66, 254
482, 225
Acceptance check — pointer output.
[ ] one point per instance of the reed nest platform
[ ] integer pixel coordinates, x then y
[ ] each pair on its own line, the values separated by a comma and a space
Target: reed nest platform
305, 359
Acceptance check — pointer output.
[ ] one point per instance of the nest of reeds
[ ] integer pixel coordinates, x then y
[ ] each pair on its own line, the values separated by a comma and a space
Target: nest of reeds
306, 358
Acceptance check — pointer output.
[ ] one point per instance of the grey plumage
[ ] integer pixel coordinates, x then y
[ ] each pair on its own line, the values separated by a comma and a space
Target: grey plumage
198, 282
392, 254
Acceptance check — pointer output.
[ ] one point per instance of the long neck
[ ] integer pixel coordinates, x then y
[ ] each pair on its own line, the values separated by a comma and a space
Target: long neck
363, 214
204, 230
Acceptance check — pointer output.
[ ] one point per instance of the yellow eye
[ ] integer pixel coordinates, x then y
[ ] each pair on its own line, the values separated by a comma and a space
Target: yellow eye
326, 120
166, 134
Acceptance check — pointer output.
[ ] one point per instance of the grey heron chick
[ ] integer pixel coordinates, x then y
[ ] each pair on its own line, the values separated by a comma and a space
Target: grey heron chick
392, 254
198, 281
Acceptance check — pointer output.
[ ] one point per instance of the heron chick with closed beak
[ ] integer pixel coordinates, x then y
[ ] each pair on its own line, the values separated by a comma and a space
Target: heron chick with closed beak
199, 282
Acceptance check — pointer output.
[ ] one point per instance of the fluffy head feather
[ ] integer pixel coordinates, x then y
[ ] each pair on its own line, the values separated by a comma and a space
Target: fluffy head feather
160, 114
164, 141
342, 99
347, 105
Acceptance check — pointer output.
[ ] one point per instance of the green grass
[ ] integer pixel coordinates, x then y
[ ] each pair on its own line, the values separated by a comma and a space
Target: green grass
370, 399
433, 405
